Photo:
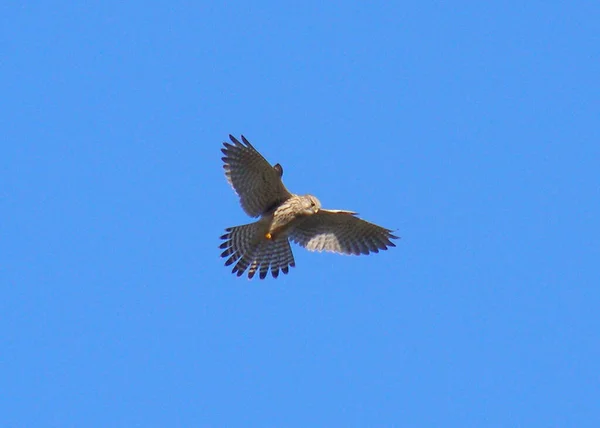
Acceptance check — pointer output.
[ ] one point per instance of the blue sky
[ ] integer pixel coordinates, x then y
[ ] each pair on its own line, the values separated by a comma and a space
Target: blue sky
470, 128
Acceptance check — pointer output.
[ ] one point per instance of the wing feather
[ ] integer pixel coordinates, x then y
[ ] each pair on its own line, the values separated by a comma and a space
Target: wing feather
341, 232
257, 183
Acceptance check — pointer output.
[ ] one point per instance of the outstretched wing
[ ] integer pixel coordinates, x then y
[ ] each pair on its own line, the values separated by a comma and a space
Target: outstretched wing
341, 232
257, 183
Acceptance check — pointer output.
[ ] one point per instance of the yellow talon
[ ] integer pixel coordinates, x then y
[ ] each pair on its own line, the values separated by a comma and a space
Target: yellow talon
268, 235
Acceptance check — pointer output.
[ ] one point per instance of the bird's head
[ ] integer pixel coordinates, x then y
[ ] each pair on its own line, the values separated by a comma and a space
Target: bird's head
310, 205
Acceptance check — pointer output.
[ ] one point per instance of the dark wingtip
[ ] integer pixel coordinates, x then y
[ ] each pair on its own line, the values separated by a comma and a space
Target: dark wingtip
246, 142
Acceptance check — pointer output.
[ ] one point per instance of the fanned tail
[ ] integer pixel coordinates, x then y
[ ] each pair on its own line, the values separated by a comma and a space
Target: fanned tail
244, 246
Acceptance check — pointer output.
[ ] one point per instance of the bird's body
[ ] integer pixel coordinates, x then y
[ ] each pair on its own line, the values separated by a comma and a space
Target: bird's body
291, 212
264, 245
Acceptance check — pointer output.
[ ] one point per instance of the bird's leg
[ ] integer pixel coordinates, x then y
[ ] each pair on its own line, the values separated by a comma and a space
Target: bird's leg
266, 223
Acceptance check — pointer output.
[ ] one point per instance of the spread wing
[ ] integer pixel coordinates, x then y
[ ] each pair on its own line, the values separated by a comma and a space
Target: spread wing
341, 232
257, 183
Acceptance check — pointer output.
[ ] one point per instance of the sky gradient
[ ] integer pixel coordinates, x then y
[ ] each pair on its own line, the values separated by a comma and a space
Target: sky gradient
469, 128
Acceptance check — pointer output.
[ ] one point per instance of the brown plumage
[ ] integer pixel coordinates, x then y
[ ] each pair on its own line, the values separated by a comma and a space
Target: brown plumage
264, 245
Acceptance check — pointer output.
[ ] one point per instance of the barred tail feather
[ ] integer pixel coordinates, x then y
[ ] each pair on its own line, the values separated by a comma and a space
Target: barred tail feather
248, 250
282, 257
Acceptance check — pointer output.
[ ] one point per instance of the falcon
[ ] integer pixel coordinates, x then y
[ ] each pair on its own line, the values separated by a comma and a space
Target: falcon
265, 244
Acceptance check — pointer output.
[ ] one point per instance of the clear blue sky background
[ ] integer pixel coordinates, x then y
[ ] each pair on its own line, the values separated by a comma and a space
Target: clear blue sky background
470, 128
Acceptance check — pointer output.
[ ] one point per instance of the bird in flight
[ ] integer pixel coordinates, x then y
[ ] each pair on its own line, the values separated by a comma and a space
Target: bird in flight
265, 244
